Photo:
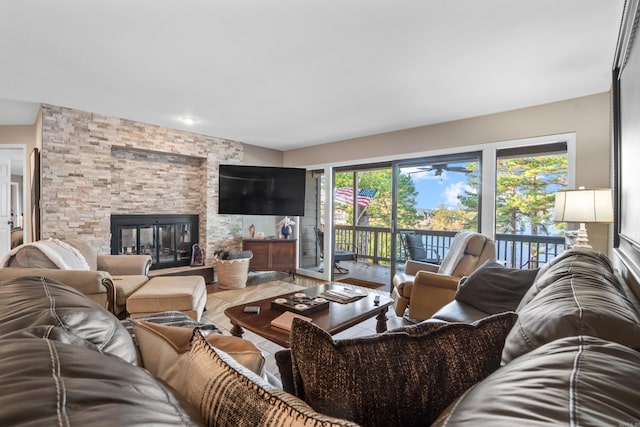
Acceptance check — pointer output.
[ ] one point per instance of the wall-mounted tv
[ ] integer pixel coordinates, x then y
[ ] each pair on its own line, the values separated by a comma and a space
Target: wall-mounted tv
261, 190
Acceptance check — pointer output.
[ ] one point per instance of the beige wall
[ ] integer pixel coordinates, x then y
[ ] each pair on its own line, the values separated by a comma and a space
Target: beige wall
588, 117
259, 156
19, 134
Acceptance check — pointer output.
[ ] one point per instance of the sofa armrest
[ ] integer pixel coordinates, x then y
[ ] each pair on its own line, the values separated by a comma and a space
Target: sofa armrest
97, 285
412, 267
125, 265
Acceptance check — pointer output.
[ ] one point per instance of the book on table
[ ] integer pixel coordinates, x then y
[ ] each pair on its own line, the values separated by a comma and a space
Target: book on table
343, 295
286, 318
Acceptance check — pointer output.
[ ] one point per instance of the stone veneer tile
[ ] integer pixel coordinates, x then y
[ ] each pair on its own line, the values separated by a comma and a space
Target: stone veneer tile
95, 165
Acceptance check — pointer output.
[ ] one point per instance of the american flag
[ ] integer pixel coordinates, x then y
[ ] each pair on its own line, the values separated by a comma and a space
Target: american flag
345, 195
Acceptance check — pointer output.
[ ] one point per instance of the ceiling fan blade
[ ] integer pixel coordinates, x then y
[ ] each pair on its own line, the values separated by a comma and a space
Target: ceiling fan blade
457, 169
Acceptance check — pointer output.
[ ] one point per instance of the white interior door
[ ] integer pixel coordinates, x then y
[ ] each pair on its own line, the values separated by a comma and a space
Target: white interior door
5, 206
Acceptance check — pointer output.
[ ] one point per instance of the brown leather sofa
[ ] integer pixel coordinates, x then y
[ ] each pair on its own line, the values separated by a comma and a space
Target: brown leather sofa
64, 360
572, 357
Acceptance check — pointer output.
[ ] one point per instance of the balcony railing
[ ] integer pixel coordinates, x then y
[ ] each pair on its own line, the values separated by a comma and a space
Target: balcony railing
514, 251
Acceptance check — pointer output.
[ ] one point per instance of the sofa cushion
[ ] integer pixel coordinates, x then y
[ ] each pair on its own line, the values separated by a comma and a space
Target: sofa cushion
556, 269
457, 311
32, 304
418, 370
228, 394
165, 349
126, 286
573, 381
50, 383
493, 288
577, 295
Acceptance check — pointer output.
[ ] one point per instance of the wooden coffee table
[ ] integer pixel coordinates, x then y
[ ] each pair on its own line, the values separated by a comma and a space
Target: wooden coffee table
334, 319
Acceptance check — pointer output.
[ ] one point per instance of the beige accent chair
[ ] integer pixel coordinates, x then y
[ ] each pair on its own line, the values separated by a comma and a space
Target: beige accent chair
111, 279
425, 288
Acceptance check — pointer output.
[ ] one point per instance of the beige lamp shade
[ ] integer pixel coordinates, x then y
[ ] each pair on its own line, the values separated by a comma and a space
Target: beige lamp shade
583, 206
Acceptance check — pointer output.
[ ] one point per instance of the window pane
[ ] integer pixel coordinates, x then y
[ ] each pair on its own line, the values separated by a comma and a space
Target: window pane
343, 198
439, 195
526, 236
525, 193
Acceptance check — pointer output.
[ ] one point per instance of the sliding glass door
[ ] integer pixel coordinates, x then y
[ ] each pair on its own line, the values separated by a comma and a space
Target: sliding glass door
310, 247
362, 225
434, 198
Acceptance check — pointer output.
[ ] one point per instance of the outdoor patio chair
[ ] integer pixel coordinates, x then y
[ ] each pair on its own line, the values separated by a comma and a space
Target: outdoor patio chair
414, 248
343, 251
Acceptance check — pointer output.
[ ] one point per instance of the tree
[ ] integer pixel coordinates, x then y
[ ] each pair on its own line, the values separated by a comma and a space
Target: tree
525, 194
448, 219
469, 199
525, 188
378, 212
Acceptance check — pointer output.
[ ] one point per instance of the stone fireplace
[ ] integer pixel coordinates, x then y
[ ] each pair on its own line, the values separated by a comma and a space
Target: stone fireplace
168, 239
96, 166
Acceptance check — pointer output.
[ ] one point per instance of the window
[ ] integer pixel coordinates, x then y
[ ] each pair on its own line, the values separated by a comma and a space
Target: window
526, 181
439, 193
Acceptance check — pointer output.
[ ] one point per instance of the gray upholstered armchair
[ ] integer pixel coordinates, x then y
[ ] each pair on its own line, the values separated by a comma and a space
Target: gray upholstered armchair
425, 287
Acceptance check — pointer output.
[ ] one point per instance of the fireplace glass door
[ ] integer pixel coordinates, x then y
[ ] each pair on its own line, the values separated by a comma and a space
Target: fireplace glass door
168, 239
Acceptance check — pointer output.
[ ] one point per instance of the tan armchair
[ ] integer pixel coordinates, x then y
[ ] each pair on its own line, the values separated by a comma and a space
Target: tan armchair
425, 287
110, 279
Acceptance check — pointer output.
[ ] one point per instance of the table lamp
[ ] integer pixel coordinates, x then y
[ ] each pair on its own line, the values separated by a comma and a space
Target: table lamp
583, 206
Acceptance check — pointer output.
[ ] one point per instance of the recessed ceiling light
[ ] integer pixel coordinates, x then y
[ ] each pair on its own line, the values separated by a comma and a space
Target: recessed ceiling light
189, 120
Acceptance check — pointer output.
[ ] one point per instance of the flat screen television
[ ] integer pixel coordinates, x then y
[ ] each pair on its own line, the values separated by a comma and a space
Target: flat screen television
261, 190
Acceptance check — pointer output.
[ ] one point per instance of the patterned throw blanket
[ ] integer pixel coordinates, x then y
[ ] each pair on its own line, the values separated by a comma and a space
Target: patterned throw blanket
170, 318
63, 255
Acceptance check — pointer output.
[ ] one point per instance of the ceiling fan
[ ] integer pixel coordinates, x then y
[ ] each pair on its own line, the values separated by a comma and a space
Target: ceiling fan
441, 167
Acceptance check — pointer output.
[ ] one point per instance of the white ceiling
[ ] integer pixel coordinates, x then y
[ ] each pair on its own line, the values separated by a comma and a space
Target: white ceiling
285, 74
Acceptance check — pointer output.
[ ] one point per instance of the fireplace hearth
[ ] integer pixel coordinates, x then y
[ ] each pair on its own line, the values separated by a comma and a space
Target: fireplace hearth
168, 239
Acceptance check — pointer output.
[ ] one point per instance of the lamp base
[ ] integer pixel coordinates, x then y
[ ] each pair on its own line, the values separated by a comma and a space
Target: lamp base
583, 239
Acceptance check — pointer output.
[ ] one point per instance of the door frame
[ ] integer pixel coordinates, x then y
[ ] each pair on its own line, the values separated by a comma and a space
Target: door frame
17, 153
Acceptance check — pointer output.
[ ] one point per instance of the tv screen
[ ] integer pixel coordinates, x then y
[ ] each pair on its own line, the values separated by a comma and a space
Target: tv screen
261, 190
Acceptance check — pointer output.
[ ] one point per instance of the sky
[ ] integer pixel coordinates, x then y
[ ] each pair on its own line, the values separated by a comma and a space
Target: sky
436, 190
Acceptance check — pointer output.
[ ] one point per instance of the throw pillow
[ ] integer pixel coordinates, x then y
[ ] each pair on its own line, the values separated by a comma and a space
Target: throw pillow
395, 378
227, 394
285, 365
165, 349
494, 288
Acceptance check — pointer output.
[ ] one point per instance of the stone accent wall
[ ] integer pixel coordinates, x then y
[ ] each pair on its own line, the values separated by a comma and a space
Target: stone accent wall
95, 165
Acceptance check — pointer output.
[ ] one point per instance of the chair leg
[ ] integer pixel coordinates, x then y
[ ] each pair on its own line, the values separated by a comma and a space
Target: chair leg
340, 268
